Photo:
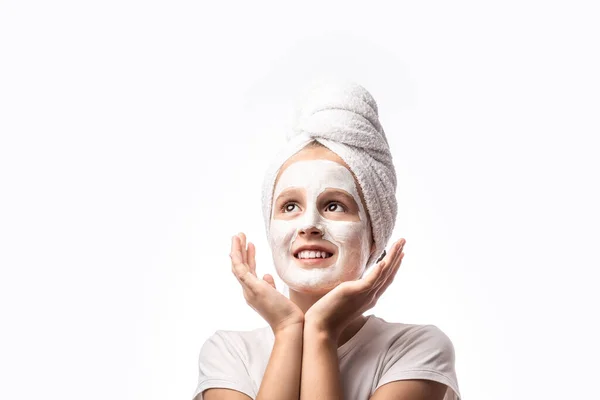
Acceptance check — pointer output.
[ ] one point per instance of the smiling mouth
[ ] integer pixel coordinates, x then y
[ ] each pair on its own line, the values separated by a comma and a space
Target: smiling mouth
312, 254
313, 258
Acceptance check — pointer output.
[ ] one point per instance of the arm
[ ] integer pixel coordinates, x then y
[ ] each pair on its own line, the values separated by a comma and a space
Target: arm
282, 376
326, 319
321, 375
320, 368
281, 380
222, 394
411, 390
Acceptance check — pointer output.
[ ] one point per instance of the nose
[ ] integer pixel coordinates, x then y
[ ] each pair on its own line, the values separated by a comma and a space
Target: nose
311, 231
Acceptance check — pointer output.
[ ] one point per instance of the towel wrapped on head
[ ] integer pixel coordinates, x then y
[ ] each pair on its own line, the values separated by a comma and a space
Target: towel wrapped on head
343, 117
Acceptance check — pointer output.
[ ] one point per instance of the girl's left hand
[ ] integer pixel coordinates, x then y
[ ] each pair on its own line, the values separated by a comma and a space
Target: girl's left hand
334, 311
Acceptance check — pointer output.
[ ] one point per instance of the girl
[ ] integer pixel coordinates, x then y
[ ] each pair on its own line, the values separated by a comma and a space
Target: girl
329, 206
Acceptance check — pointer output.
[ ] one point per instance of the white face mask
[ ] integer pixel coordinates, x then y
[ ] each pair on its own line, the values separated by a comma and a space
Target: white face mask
352, 239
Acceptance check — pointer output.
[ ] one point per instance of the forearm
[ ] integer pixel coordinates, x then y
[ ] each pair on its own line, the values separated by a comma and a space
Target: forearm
282, 376
320, 366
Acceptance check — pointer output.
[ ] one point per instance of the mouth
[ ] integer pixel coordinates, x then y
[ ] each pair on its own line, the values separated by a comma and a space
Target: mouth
314, 256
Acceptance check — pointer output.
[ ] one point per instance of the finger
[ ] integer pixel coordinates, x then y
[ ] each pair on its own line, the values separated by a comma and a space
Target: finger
238, 266
389, 281
243, 244
252, 257
236, 254
384, 287
390, 259
394, 255
368, 282
241, 271
269, 279
248, 281
399, 246
397, 249
233, 245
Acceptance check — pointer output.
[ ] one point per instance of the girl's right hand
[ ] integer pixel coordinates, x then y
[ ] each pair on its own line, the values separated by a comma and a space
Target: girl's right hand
261, 294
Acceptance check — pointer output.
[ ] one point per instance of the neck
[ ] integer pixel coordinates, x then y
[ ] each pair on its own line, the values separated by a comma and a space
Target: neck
306, 300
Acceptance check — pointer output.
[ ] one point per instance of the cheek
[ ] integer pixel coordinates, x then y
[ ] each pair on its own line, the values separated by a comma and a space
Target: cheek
281, 233
353, 239
347, 232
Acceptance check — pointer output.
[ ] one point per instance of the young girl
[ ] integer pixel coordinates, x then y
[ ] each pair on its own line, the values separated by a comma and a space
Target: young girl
329, 206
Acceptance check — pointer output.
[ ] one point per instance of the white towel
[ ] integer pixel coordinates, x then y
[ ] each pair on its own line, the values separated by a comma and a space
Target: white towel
343, 116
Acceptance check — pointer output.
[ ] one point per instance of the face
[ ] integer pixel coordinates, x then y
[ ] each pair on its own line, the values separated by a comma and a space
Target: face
320, 233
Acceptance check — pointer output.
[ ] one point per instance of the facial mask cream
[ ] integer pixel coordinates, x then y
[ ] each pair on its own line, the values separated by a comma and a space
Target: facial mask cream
352, 239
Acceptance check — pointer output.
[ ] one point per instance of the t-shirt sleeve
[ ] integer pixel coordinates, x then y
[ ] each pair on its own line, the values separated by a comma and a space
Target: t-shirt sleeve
221, 365
426, 353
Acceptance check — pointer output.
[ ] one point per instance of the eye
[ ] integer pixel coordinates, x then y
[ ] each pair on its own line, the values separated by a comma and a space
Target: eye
335, 207
288, 207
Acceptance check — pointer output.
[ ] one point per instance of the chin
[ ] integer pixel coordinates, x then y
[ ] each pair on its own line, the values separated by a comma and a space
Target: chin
317, 281
313, 289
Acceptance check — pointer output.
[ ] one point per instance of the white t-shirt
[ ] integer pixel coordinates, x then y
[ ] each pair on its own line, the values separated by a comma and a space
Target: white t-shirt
379, 353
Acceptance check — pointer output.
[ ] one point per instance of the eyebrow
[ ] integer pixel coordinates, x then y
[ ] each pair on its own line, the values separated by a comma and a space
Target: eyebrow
347, 196
293, 192
288, 193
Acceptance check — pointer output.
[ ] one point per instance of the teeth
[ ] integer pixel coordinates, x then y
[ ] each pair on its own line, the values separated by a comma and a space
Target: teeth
314, 254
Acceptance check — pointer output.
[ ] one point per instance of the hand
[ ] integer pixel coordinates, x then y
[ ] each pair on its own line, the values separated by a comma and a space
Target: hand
279, 311
347, 301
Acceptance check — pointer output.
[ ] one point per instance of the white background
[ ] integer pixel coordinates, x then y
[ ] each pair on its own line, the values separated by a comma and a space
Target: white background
135, 135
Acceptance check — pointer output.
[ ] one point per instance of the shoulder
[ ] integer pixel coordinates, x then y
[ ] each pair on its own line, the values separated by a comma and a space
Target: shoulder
424, 345
240, 343
233, 360
414, 351
414, 337
430, 338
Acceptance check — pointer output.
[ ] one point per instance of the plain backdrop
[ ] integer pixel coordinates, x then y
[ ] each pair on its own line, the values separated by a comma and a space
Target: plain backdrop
134, 136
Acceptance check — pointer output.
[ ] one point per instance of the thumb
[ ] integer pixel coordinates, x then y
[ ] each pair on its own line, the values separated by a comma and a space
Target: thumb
269, 279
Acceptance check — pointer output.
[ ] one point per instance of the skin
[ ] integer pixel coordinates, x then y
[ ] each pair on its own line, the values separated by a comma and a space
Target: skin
306, 300
309, 327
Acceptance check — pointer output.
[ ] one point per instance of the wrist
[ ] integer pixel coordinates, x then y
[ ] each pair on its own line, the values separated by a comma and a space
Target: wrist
315, 328
289, 329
